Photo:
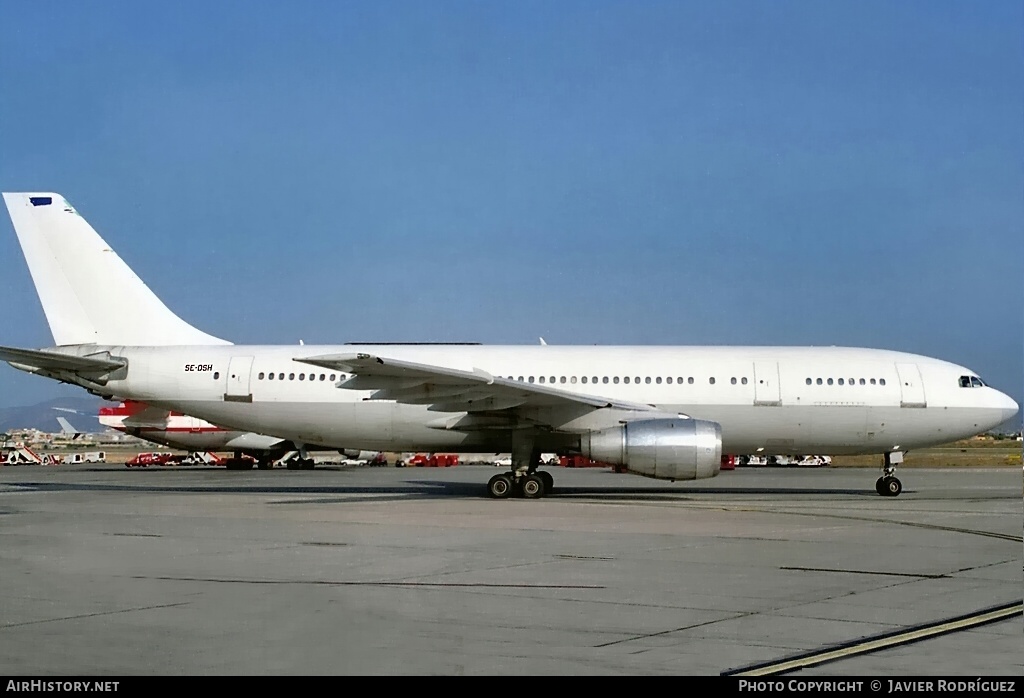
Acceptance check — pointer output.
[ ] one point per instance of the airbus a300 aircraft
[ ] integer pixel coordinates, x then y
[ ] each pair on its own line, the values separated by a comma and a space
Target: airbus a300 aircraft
663, 412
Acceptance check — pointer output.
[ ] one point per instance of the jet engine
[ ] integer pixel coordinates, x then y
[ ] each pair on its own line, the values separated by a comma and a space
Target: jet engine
666, 449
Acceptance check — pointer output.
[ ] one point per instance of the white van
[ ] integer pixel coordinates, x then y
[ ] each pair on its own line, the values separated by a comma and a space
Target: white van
89, 457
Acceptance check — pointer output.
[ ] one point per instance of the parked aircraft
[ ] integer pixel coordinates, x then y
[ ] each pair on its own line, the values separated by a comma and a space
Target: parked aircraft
192, 434
659, 411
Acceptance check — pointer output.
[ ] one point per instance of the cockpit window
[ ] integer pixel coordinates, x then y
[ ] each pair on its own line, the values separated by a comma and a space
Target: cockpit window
971, 382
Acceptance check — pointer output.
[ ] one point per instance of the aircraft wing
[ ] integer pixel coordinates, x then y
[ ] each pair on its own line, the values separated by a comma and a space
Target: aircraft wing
52, 360
452, 390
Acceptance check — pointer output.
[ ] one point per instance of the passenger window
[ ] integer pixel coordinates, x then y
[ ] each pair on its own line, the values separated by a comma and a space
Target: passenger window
584, 379
840, 381
881, 381
818, 381
688, 380
626, 380
562, 380
261, 375
332, 377
615, 379
270, 376
743, 380
605, 380
829, 381
552, 379
850, 381
712, 380
872, 381
291, 376
530, 380
862, 381
647, 380
637, 380
658, 380
323, 377
808, 381
302, 376
216, 375
541, 380
733, 380
573, 379
669, 380
594, 380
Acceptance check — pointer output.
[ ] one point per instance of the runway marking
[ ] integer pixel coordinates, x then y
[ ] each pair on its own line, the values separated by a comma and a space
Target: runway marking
934, 527
332, 583
325, 544
582, 557
90, 615
675, 630
887, 574
879, 642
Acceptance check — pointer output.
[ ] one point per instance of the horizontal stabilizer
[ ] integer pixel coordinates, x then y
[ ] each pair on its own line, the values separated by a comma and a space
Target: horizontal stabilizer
55, 361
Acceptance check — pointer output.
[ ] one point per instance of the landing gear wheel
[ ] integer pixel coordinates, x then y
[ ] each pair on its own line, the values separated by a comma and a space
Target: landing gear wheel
265, 464
549, 481
308, 464
878, 486
533, 487
891, 487
500, 486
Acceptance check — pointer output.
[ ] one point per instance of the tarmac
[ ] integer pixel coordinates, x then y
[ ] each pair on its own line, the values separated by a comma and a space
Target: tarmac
348, 570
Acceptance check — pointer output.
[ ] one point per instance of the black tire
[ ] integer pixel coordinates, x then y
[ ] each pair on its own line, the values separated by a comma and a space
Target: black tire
532, 487
878, 486
500, 487
549, 481
892, 486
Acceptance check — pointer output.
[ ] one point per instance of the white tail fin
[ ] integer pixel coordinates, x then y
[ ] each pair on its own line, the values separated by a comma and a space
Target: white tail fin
89, 295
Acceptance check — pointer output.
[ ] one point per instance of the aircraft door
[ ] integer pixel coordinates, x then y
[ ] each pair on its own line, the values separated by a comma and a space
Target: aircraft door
911, 386
237, 388
766, 384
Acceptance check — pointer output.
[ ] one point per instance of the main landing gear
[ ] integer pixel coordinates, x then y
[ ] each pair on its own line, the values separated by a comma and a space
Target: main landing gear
515, 484
889, 485
297, 460
524, 480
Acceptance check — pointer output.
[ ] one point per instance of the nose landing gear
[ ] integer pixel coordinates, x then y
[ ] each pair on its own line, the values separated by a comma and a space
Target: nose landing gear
889, 485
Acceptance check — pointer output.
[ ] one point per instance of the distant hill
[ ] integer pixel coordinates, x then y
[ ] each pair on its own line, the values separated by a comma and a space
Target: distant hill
44, 417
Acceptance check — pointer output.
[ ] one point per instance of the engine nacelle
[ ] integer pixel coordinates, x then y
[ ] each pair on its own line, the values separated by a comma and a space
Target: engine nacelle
666, 449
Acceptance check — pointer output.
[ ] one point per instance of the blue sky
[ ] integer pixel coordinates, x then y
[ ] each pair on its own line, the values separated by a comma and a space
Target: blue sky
592, 172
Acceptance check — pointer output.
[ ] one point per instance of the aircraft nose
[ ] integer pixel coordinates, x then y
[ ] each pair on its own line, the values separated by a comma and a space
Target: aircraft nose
1008, 407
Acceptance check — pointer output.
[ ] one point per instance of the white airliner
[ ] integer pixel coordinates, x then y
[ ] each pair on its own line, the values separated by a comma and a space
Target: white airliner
659, 411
